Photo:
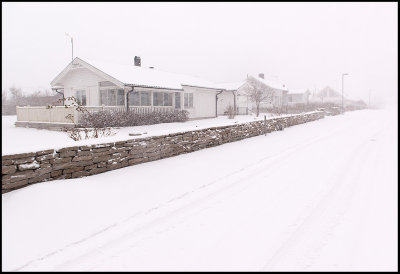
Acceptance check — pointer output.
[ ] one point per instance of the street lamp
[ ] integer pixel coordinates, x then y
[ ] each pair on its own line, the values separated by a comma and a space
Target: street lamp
72, 43
343, 74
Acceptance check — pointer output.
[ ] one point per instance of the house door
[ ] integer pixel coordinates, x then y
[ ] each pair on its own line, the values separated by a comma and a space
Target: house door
177, 100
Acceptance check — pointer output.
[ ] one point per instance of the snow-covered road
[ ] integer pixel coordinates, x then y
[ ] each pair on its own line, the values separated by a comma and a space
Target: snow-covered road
318, 196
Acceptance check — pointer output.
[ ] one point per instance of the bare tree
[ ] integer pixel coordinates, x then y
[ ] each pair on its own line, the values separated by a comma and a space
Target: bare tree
16, 94
258, 92
16, 97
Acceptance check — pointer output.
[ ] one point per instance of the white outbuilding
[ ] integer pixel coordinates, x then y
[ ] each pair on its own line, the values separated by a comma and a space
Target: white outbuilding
241, 100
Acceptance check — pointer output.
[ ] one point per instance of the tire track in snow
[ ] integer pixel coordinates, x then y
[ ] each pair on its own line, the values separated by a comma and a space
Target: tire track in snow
258, 166
322, 206
276, 163
254, 169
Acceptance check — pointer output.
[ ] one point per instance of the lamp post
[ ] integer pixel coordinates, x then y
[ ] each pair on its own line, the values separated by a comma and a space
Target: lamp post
343, 74
72, 43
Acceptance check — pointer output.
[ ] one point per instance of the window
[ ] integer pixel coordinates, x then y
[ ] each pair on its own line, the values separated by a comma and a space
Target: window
168, 99
177, 100
158, 98
145, 98
112, 97
162, 99
103, 97
81, 97
188, 98
134, 98
120, 97
140, 98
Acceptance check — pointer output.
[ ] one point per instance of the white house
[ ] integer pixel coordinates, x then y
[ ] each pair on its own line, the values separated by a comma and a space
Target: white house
231, 97
298, 96
327, 95
241, 99
97, 83
104, 85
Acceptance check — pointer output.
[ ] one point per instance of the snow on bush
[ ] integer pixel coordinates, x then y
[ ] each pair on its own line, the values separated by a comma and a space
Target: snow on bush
106, 118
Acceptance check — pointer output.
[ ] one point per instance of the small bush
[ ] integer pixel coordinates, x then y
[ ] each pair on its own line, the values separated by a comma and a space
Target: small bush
230, 111
77, 134
107, 118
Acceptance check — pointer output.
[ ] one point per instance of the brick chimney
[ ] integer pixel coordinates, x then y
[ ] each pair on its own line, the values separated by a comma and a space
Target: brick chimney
138, 62
261, 75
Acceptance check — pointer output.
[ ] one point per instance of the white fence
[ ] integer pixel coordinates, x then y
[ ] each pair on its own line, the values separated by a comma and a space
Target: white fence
55, 114
59, 114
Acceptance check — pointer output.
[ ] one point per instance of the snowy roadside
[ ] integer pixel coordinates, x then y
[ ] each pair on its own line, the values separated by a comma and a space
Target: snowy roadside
231, 207
20, 140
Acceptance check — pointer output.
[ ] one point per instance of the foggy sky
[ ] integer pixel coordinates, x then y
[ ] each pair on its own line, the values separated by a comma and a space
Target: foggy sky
304, 45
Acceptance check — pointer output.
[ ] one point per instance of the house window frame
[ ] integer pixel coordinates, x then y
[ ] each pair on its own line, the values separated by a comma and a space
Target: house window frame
176, 100
141, 98
167, 97
79, 98
186, 104
116, 90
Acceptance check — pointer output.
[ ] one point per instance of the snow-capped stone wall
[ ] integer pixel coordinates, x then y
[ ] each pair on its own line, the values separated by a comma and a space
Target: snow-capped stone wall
20, 170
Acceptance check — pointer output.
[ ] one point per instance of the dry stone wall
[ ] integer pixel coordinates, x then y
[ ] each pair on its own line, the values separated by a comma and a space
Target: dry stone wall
20, 170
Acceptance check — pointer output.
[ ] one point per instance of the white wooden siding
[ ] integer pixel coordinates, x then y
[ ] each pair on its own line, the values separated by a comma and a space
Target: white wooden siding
83, 79
225, 99
203, 102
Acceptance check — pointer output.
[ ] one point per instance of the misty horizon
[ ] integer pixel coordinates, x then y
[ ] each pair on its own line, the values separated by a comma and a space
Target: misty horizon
303, 45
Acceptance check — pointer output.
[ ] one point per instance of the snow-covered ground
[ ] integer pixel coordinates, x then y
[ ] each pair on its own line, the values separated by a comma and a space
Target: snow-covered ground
317, 196
21, 140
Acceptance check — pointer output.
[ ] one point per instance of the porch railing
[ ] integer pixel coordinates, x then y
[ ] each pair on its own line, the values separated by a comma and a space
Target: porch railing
135, 109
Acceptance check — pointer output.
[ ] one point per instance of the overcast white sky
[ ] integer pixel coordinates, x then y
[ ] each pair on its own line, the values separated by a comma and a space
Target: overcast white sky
305, 45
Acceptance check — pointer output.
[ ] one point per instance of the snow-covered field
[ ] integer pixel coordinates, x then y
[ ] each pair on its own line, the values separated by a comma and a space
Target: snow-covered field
21, 140
318, 196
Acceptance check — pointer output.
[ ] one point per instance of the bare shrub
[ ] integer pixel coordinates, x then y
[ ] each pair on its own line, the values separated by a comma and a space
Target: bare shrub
88, 131
230, 110
101, 123
76, 133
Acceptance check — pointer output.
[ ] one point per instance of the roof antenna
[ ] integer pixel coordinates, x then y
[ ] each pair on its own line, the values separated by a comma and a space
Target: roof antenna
72, 43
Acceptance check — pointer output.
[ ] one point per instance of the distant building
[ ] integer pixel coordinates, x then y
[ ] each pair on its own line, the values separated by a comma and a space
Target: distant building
298, 96
327, 95
243, 104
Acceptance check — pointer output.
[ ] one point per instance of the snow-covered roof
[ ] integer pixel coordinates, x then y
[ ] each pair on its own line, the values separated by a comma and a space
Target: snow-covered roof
122, 74
298, 90
141, 76
328, 92
231, 85
271, 83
